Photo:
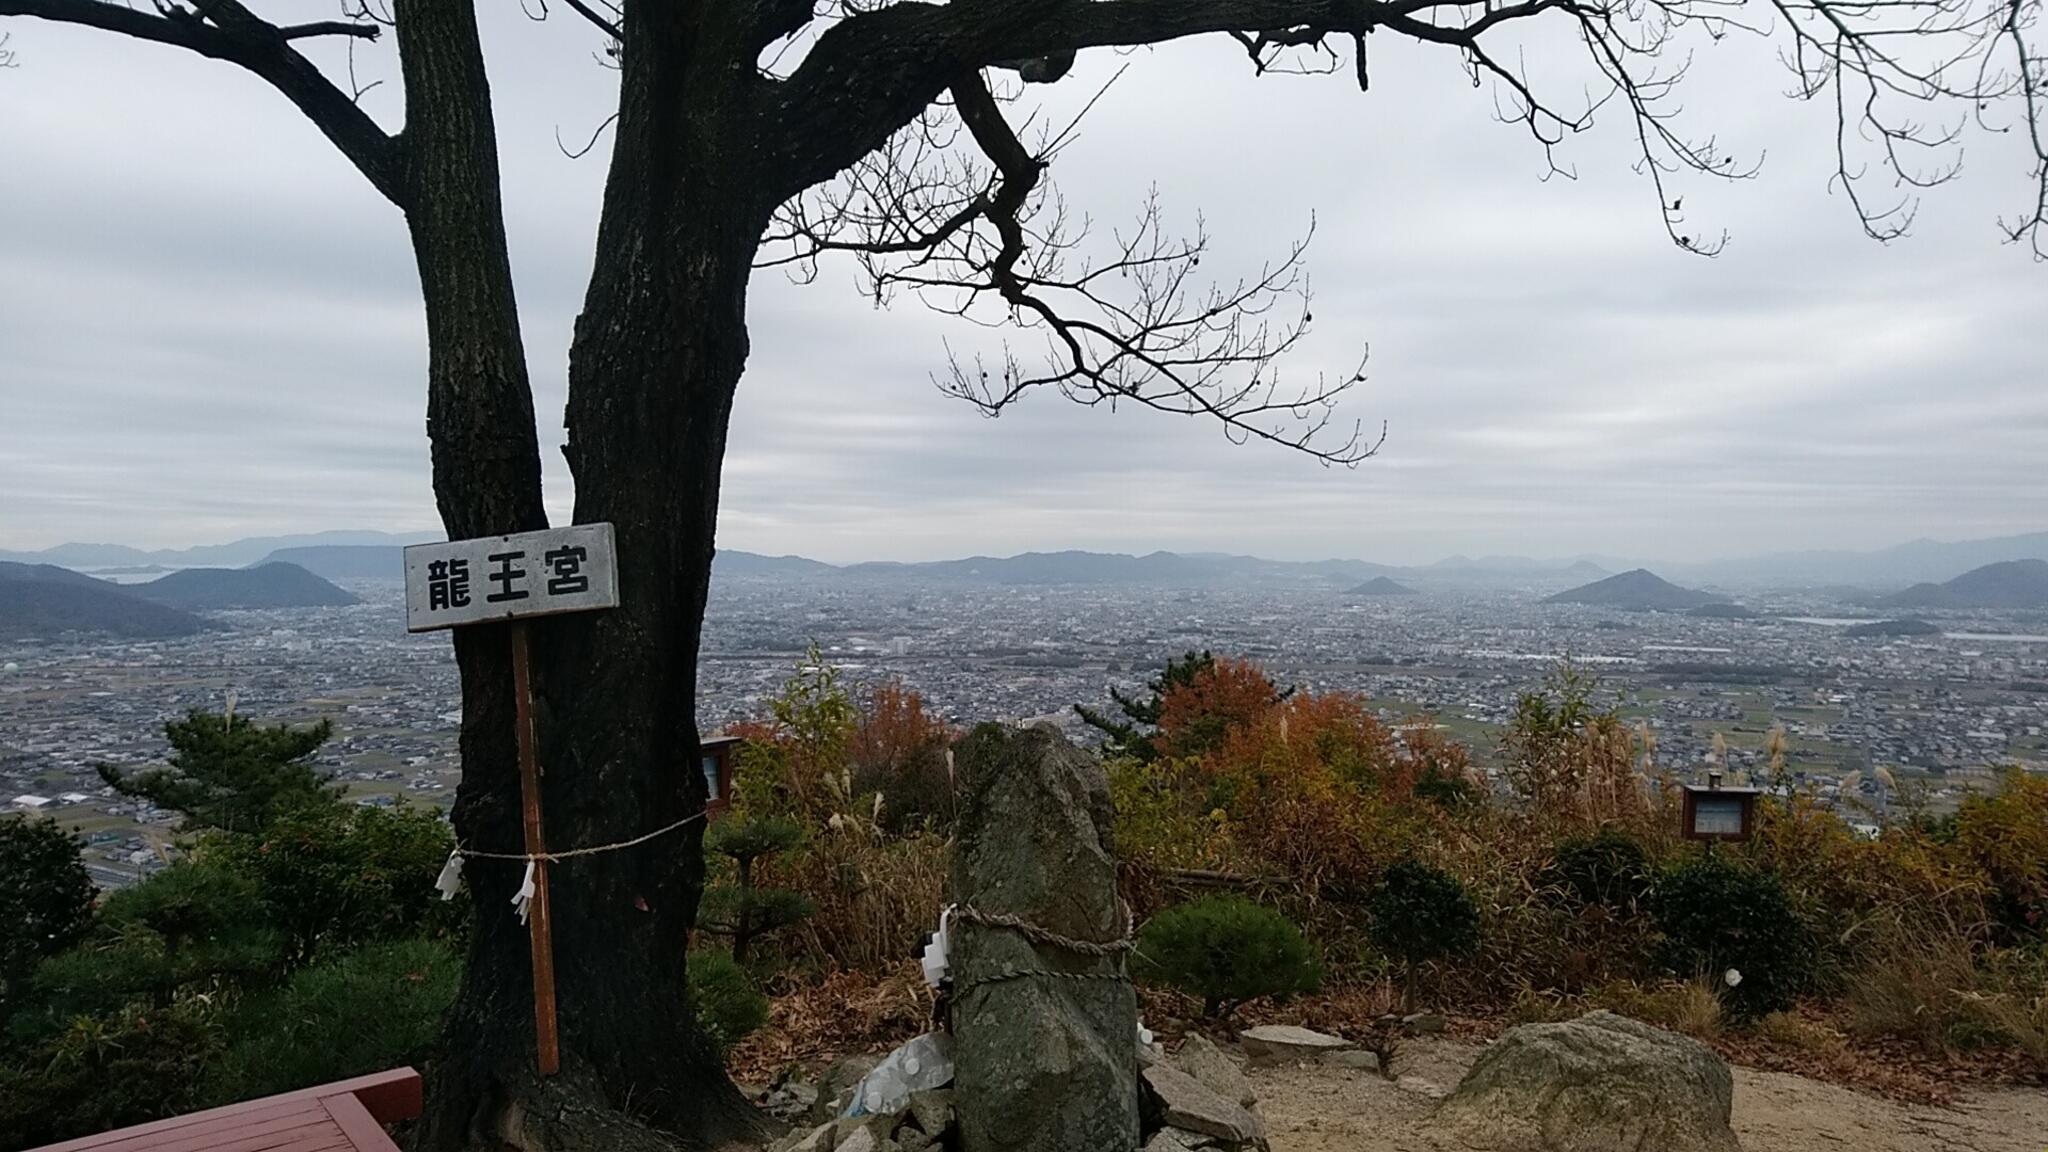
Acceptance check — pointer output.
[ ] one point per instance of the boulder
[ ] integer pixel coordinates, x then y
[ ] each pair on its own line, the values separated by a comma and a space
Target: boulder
1042, 1034
1177, 1100
1357, 1059
1214, 1070
1285, 1043
1601, 1083
1423, 1024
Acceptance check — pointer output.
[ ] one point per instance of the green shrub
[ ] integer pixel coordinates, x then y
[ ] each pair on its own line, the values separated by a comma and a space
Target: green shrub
1226, 950
1718, 915
106, 1072
1610, 868
1419, 914
337, 876
728, 1006
375, 1008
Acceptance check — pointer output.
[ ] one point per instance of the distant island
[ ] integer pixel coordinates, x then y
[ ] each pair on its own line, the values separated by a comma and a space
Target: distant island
2008, 584
1893, 628
1721, 610
273, 585
40, 601
1638, 591
1381, 586
344, 561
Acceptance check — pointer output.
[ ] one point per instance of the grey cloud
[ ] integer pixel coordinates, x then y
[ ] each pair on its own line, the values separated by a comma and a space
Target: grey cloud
212, 329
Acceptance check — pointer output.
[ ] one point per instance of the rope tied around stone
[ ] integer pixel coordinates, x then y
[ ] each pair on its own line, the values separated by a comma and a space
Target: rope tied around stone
1038, 935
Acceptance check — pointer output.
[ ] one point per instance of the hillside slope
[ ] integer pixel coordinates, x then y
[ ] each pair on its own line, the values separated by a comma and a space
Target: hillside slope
1640, 590
42, 601
2007, 584
273, 585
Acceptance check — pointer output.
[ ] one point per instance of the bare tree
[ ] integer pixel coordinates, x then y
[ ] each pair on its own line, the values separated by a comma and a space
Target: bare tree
782, 132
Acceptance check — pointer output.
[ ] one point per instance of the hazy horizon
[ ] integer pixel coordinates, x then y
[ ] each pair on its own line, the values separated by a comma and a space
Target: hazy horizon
1475, 554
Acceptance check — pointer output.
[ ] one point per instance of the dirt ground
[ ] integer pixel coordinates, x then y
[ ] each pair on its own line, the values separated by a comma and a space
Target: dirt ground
1316, 1109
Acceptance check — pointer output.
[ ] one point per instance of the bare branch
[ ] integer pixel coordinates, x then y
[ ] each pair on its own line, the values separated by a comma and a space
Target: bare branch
225, 30
329, 28
983, 239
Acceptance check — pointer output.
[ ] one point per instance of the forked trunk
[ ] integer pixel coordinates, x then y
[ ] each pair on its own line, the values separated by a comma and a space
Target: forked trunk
659, 349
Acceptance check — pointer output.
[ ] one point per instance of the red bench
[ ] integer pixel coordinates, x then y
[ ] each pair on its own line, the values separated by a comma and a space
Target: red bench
346, 1116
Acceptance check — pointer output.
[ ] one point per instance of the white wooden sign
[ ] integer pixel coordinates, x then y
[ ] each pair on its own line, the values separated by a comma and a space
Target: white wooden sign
507, 577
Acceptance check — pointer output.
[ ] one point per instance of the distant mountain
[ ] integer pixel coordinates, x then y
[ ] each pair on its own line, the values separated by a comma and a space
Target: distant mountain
249, 550
41, 601
1640, 590
1722, 611
1381, 586
1919, 560
732, 562
1893, 628
1154, 568
2007, 584
275, 585
344, 561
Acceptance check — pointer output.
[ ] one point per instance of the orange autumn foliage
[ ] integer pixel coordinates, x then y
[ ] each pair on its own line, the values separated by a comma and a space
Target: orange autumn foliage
1197, 717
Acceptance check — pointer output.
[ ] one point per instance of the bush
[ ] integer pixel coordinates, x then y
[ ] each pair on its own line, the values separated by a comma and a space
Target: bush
727, 1004
375, 1008
106, 1072
2005, 835
335, 877
1610, 868
1717, 915
1226, 950
1420, 914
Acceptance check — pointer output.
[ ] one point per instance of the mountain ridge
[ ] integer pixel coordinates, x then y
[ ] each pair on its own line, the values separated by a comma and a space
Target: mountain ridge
41, 601
2004, 584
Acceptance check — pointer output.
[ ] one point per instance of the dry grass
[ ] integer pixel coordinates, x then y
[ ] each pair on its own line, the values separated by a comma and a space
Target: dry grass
876, 895
810, 1022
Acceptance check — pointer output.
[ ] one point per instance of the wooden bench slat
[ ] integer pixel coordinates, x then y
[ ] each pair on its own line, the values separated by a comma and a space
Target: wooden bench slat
339, 1117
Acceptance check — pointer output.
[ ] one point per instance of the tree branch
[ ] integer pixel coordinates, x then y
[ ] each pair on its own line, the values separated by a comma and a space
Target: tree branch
228, 31
329, 28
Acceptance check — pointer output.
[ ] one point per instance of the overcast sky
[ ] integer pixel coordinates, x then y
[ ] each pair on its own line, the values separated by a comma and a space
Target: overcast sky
210, 327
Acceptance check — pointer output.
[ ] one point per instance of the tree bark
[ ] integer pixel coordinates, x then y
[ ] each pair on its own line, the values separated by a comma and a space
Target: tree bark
658, 351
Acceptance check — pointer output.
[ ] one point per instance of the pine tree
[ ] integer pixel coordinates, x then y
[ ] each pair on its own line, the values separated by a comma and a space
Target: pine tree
1138, 732
228, 773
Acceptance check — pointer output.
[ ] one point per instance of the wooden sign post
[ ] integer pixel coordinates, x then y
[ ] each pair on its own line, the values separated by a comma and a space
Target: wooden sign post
507, 579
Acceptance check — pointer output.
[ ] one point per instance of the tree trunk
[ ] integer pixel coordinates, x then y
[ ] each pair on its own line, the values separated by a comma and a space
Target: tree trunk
658, 351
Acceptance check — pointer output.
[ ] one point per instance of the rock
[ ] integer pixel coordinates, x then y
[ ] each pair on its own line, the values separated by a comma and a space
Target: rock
1178, 1100
1284, 1043
859, 1140
1039, 1062
1148, 1055
835, 1087
1354, 1058
932, 1110
1423, 1024
1596, 1084
1175, 1140
1214, 1070
817, 1139
789, 1100
912, 1140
